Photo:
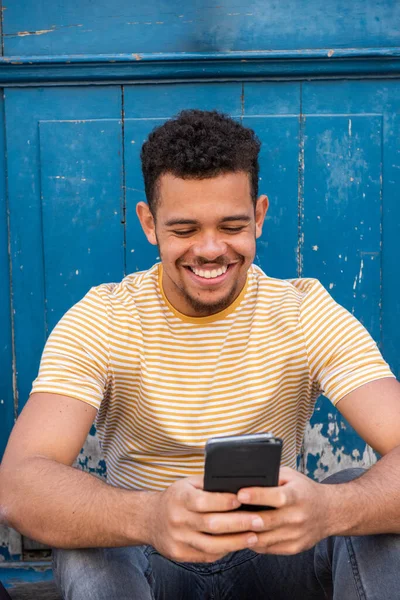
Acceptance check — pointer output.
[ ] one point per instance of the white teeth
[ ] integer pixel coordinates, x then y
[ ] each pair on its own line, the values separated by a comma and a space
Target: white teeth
210, 274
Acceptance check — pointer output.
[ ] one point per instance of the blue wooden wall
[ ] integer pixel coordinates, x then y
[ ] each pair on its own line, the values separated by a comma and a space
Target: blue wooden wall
320, 85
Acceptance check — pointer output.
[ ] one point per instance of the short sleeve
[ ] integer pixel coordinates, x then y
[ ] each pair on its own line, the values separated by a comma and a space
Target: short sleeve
75, 359
342, 354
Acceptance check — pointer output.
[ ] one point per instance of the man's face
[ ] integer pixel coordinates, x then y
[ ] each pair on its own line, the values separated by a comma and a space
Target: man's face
206, 232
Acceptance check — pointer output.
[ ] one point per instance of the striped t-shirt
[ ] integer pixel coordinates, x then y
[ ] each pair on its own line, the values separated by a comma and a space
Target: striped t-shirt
163, 382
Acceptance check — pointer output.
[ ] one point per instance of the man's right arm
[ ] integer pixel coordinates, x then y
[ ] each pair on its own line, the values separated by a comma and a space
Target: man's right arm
43, 497
46, 499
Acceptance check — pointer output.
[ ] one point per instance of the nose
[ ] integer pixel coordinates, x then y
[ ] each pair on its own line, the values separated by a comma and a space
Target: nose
210, 245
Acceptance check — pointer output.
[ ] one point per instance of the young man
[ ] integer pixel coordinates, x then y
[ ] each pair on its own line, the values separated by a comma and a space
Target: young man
205, 344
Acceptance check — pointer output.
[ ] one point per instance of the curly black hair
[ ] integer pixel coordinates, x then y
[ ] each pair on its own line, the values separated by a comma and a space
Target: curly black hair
197, 144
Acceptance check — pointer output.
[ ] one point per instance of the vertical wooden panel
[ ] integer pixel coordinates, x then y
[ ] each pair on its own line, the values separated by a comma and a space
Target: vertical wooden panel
346, 194
81, 192
277, 247
24, 109
6, 370
382, 97
342, 211
273, 111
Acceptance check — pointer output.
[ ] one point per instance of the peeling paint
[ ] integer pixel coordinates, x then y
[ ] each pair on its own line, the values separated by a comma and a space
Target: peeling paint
25, 33
11, 539
327, 458
91, 458
41, 31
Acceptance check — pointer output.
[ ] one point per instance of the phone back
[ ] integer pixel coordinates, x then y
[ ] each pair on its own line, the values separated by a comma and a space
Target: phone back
242, 461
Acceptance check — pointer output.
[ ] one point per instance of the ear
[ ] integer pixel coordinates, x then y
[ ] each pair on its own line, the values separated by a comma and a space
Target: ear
261, 211
147, 222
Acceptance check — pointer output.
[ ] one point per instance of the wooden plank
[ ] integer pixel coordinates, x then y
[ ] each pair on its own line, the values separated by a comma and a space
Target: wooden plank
272, 110
342, 208
343, 204
383, 97
277, 247
6, 351
24, 109
81, 192
37, 27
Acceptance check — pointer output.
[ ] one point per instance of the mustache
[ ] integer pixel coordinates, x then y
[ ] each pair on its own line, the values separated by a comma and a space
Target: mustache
220, 262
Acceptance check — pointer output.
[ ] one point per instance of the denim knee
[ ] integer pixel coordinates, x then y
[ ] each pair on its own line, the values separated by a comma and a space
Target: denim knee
101, 573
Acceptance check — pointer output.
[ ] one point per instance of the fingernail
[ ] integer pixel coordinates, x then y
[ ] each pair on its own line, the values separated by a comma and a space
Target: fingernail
252, 540
235, 503
244, 497
257, 523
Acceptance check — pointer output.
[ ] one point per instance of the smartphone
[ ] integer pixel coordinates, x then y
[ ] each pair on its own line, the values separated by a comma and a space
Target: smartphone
238, 461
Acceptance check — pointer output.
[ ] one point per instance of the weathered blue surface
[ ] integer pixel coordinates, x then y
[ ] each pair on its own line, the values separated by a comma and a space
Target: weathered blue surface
73, 161
30, 239
200, 66
32, 572
40, 27
6, 368
82, 213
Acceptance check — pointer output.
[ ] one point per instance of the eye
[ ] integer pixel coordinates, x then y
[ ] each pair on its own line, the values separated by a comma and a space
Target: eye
182, 232
234, 229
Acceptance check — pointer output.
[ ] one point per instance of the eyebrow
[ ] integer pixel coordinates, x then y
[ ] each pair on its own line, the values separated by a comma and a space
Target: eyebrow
171, 222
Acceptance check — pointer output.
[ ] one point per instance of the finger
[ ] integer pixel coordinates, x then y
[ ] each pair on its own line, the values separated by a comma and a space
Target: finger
217, 545
204, 502
265, 496
286, 474
196, 481
224, 523
282, 541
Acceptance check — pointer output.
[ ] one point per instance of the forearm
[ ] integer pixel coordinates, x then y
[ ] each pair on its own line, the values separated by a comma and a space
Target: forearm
63, 507
369, 504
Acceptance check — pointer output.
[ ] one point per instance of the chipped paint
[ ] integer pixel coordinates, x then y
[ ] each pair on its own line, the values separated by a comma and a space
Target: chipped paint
41, 31
321, 457
12, 541
91, 458
25, 33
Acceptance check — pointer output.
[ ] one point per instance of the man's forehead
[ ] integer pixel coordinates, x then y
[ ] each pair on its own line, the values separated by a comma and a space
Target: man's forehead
226, 197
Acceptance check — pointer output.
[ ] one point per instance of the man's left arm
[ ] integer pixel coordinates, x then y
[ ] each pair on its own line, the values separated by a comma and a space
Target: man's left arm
308, 511
374, 412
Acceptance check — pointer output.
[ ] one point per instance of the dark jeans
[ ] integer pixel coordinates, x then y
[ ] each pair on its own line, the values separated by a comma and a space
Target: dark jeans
342, 568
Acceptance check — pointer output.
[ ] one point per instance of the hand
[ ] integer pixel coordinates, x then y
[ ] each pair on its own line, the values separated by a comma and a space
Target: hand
301, 518
183, 517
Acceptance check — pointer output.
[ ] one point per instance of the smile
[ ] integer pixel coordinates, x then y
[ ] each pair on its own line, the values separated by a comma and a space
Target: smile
209, 277
209, 274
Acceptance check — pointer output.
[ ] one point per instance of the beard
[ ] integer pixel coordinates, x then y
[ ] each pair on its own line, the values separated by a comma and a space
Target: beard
209, 308
205, 309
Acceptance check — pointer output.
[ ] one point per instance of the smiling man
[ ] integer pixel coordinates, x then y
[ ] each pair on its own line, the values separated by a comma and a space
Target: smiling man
205, 344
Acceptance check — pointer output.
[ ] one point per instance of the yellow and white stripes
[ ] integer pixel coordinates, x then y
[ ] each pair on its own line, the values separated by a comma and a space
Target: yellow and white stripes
164, 383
